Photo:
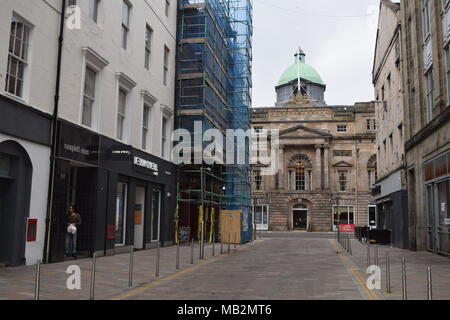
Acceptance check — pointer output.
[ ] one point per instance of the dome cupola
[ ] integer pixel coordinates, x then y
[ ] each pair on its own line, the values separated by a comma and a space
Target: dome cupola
311, 82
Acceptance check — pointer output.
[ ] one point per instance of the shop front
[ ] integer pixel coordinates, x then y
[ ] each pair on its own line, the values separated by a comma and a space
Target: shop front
437, 184
24, 172
125, 197
392, 208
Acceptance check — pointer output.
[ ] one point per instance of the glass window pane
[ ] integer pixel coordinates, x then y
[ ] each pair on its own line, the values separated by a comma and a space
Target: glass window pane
120, 213
122, 102
87, 112
89, 84
155, 214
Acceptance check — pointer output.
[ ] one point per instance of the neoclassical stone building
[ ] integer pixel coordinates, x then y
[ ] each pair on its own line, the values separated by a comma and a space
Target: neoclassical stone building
328, 158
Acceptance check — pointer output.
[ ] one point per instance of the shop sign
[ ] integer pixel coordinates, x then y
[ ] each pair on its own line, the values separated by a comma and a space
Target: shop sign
142, 163
78, 144
347, 228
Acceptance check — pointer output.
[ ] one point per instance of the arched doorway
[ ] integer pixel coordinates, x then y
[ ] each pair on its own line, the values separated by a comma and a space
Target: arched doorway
15, 189
300, 217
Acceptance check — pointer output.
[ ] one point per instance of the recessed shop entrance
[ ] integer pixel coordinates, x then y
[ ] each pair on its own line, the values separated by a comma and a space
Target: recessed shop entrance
75, 184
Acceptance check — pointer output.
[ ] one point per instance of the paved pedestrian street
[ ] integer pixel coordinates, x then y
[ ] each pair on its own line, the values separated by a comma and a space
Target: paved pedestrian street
279, 266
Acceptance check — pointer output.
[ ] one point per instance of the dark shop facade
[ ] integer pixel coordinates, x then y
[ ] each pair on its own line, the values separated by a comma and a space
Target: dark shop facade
125, 197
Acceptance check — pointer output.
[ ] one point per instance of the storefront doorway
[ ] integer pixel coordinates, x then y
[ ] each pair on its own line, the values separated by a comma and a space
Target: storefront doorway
139, 218
155, 217
300, 217
261, 213
438, 195
15, 189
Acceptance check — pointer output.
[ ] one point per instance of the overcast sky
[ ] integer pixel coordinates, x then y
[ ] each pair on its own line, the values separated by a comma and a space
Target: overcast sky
338, 37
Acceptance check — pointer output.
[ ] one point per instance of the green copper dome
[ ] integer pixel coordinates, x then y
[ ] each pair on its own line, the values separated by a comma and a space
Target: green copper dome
306, 72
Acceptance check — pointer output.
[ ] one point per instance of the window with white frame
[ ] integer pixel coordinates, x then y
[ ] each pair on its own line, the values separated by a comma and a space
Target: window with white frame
94, 6
342, 128
426, 18
372, 177
146, 118
18, 56
166, 65
257, 180
164, 129
126, 8
342, 180
121, 114
89, 97
148, 46
343, 215
447, 71
429, 94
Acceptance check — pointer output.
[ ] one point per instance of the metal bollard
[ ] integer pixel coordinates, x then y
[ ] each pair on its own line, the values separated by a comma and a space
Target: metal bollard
368, 255
388, 273
350, 246
130, 268
178, 256
158, 257
94, 260
192, 251
429, 282
235, 241
376, 256
229, 243
38, 280
214, 245
202, 242
221, 247
404, 288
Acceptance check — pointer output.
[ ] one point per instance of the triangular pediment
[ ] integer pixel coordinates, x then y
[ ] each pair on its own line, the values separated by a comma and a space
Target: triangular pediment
342, 164
303, 131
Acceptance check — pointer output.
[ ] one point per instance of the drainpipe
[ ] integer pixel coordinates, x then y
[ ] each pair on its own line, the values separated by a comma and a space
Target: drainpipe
54, 137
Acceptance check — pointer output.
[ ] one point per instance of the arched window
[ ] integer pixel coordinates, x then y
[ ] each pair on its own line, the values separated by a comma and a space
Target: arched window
299, 173
300, 183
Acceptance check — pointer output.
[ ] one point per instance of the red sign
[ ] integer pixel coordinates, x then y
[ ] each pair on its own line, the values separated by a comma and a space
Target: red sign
110, 232
347, 228
31, 230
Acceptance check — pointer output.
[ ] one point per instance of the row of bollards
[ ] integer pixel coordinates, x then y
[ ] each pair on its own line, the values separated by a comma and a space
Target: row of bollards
403, 271
131, 264
344, 240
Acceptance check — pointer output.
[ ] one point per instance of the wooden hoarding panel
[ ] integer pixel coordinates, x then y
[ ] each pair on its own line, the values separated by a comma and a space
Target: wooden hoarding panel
230, 226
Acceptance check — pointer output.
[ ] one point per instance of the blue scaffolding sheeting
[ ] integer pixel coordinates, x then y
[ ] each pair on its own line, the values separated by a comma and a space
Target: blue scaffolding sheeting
214, 81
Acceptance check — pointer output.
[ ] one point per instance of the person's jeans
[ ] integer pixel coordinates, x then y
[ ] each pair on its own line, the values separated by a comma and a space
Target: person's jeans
71, 243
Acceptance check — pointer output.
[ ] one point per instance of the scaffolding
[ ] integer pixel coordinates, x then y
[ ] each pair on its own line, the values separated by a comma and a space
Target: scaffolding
214, 82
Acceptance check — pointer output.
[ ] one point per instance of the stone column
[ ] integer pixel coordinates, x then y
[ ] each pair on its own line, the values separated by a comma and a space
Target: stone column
281, 171
317, 176
326, 168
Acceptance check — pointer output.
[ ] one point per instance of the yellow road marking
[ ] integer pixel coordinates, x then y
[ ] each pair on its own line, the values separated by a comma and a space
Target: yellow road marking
176, 275
357, 274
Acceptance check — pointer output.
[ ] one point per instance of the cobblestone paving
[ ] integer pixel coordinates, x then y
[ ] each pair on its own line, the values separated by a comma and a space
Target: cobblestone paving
292, 266
274, 269
416, 271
